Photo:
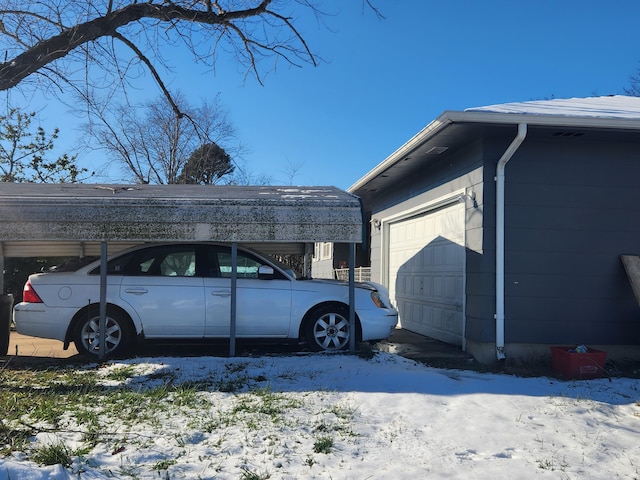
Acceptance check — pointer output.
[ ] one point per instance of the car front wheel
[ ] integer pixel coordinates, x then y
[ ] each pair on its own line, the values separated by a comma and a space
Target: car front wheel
87, 334
328, 329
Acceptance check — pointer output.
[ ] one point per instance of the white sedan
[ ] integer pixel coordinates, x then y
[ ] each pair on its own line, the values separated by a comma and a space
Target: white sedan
183, 291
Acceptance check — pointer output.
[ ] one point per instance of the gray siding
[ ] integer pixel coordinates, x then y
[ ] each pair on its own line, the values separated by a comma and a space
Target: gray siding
460, 170
322, 269
571, 210
481, 264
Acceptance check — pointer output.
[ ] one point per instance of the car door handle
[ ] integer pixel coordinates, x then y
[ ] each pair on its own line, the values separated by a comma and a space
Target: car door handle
137, 291
221, 293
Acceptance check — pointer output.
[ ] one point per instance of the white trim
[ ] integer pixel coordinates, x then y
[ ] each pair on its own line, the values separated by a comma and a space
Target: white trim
464, 280
442, 201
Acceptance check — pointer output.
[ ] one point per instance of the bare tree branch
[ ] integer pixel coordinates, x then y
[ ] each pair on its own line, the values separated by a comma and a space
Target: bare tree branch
153, 71
373, 8
58, 46
634, 85
153, 144
78, 45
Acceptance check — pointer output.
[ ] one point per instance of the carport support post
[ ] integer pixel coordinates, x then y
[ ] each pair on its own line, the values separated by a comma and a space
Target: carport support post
102, 327
1, 269
234, 299
352, 298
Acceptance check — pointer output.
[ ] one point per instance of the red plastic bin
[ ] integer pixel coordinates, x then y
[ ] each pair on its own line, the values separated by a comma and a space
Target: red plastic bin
578, 366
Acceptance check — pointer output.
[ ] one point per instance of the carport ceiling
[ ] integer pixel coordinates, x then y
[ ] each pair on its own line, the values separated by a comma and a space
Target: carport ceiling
73, 219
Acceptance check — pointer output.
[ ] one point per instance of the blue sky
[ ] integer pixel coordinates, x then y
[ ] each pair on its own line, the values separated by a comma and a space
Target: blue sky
384, 80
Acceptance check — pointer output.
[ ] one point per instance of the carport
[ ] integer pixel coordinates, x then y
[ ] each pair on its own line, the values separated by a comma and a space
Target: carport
90, 219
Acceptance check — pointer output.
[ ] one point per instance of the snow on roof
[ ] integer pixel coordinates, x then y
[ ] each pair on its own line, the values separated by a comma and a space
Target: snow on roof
613, 106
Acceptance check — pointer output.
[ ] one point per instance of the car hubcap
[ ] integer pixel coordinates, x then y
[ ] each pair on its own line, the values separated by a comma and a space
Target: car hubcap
332, 331
91, 335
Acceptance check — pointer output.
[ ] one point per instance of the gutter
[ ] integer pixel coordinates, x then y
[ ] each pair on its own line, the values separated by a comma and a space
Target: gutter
500, 185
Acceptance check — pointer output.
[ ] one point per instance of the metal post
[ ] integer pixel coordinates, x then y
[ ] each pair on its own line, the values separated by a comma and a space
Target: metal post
1, 269
102, 327
308, 254
234, 299
352, 298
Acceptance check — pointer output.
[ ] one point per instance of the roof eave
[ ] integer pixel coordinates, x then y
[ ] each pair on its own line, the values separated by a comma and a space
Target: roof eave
492, 118
425, 134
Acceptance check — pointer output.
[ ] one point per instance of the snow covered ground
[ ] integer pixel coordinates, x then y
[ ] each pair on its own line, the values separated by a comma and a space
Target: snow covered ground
344, 417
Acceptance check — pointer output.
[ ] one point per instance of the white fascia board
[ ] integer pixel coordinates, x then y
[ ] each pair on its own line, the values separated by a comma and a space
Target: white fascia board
543, 120
425, 134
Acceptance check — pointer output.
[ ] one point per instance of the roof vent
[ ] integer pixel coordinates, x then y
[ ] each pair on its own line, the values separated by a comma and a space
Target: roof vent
436, 150
567, 134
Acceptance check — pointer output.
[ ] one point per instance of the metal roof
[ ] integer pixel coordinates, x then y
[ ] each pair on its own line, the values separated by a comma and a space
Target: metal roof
73, 219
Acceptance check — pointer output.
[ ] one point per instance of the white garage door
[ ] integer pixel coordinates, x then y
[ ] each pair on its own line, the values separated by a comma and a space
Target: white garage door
426, 267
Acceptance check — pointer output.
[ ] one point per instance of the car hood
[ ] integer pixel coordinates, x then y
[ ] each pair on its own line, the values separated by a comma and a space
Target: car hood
327, 281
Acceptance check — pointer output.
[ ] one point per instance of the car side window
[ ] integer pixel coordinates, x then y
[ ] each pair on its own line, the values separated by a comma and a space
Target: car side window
247, 267
174, 261
117, 266
179, 264
218, 264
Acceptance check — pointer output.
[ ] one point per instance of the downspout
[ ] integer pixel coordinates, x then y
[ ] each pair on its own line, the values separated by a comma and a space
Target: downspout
500, 184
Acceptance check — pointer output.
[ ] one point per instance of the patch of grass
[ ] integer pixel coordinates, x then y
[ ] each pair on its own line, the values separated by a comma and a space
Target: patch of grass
121, 373
13, 439
185, 395
323, 444
230, 385
343, 412
90, 420
80, 402
40, 397
249, 475
164, 464
264, 401
53, 454
552, 464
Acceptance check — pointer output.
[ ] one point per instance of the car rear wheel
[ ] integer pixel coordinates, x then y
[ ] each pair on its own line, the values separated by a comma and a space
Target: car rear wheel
328, 329
117, 337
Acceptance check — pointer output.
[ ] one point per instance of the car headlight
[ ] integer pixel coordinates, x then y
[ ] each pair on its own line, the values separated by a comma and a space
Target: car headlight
377, 300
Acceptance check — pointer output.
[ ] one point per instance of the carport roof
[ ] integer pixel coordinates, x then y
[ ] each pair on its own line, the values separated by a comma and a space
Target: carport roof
66, 219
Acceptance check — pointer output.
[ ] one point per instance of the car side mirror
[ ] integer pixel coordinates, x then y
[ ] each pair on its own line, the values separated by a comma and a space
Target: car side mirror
265, 272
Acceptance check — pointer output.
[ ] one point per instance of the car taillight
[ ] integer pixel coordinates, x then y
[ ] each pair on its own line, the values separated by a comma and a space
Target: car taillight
29, 295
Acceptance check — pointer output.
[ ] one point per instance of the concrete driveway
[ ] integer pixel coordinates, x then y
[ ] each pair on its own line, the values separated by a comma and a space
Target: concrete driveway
402, 342
24, 346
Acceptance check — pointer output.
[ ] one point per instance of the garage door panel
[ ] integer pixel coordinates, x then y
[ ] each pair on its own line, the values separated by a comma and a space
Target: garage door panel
426, 266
